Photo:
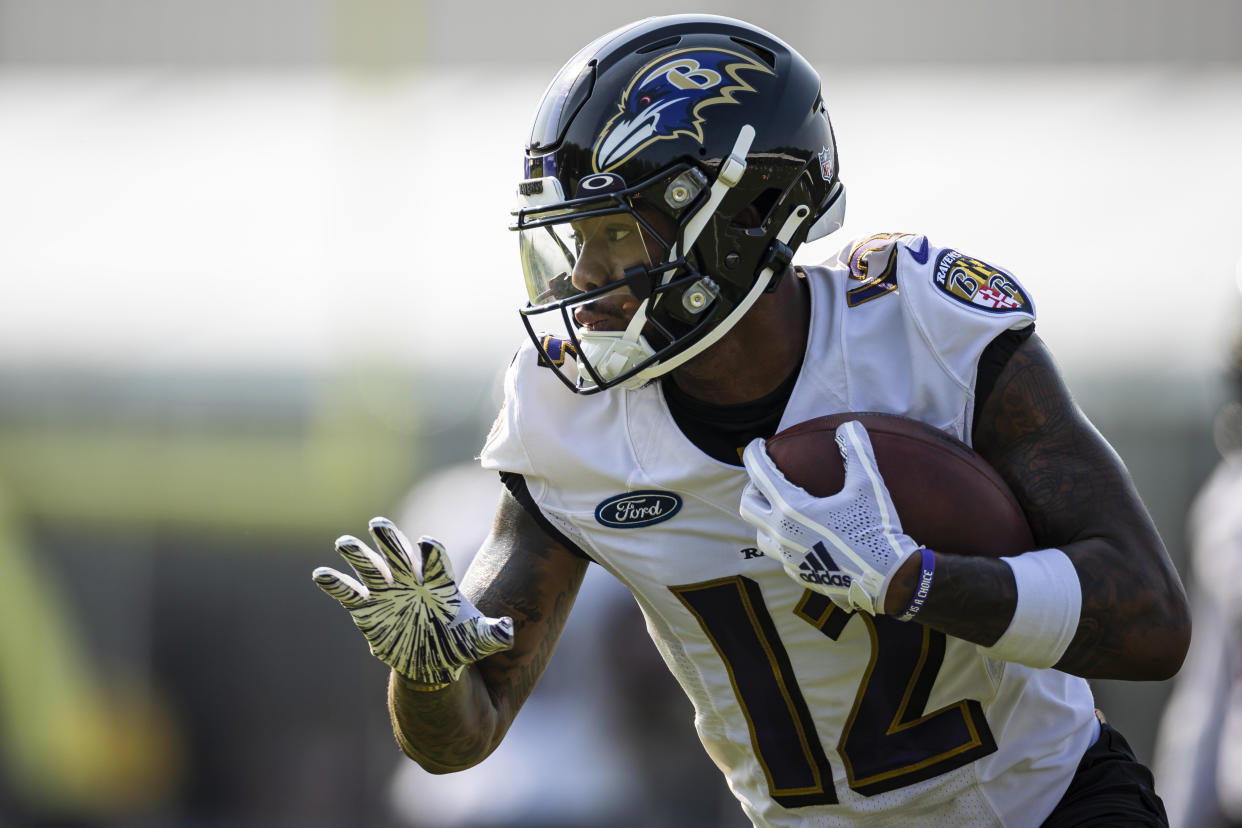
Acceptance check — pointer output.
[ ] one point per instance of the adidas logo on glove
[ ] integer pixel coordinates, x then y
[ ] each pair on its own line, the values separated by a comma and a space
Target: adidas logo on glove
819, 568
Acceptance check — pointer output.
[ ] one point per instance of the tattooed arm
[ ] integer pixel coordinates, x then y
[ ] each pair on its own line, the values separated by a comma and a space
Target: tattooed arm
524, 574
1078, 497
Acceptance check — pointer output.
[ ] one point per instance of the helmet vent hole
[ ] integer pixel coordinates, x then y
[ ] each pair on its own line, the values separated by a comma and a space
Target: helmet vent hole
763, 54
756, 214
659, 44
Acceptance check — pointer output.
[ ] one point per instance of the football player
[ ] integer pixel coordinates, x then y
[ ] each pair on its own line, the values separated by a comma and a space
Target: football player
673, 168
1199, 741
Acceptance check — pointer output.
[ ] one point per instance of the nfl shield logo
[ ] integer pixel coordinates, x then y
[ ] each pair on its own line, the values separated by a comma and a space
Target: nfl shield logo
827, 163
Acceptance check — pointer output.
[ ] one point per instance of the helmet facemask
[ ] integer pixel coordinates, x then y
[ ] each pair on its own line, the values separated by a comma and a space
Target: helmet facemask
609, 272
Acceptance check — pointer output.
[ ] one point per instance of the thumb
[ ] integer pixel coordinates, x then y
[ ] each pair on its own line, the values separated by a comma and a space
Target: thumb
765, 477
754, 507
493, 634
756, 454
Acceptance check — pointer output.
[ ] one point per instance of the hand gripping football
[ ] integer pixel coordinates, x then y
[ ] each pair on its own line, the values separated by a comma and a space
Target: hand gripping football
947, 497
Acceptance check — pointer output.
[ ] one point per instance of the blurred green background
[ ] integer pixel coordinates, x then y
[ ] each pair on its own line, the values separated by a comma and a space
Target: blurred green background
257, 286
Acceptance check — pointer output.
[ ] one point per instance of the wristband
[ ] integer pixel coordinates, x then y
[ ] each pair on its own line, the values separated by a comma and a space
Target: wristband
924, 587
424, 687
1049, 606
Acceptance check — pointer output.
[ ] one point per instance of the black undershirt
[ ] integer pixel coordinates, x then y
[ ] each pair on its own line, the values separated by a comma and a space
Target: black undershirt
722, 431
993, 360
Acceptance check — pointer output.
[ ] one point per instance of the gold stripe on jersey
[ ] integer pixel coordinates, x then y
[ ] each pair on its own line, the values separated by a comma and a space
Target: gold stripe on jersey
818, 610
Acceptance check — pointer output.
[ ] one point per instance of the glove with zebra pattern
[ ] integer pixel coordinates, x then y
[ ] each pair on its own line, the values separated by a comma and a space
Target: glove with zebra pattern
418, 624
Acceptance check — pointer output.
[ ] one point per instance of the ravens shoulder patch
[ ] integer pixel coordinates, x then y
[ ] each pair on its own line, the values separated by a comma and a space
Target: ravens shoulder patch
979, 284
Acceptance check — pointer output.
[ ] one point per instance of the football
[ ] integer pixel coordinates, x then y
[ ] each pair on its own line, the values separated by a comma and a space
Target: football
947, 497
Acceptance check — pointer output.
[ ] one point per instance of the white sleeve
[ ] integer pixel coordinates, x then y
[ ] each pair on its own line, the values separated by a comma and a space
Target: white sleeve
959, 303
503, 449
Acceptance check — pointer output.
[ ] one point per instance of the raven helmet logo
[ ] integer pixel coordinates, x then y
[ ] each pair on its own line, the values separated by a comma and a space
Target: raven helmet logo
667, 97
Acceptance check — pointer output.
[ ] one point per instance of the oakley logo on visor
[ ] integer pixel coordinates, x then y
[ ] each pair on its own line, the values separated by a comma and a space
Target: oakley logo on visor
599, 184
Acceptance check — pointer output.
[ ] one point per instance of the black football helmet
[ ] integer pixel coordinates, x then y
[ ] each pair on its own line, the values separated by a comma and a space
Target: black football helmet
704, 137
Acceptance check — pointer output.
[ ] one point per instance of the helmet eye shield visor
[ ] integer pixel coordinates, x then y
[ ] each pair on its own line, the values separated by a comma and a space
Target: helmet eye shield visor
596, 255
581, 244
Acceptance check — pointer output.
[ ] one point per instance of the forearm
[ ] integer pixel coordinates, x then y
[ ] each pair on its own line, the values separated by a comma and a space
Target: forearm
1135, 622
444, 730
970, 598
1130, 625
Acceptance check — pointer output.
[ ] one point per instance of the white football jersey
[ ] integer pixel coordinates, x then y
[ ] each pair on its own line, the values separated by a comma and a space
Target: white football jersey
816, 716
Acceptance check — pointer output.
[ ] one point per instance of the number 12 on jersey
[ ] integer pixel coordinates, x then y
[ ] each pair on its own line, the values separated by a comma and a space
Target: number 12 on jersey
887, 742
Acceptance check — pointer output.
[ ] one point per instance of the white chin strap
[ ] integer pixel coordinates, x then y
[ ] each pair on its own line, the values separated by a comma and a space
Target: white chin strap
612, 353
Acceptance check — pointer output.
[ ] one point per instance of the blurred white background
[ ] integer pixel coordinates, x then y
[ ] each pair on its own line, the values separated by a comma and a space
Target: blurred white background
258, 284
306, 184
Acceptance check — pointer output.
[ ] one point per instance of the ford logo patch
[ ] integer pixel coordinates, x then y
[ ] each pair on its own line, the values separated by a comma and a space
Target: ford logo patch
634, 509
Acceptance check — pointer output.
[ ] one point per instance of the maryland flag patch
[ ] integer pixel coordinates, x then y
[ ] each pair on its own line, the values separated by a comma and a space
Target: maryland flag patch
979, 284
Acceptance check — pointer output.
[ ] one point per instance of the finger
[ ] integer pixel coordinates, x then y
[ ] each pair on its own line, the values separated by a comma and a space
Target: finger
862, 473
395, 546
371, 568
858, 456
854, 443
437, 568
343, 588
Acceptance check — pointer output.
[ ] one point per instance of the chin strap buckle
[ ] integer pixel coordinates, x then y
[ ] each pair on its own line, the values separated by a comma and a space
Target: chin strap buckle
776, 258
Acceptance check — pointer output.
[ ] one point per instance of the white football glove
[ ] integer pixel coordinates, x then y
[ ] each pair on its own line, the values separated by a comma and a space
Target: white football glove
421, 627
846, 546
